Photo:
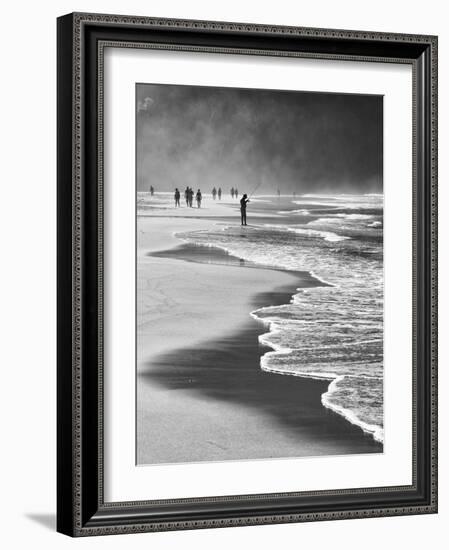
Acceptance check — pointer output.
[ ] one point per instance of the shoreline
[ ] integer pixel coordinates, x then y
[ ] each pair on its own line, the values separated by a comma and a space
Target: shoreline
214, 255
250, 414
188, 302
219, 377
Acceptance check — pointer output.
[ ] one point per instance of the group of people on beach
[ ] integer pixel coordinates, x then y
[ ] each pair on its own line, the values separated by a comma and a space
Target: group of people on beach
216, 193
188, 194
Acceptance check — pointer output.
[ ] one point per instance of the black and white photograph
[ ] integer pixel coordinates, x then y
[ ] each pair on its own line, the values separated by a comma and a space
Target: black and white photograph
221, 299
259, 274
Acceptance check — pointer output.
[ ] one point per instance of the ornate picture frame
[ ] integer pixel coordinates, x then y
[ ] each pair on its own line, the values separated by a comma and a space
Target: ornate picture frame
81, 508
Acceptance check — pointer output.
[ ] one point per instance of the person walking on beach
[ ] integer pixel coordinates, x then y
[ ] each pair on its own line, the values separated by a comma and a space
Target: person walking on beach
243, 202
177, 197
214, 193
191, 197
232, 192
199, 196
151, 190
219, 193
186, 196
236, 193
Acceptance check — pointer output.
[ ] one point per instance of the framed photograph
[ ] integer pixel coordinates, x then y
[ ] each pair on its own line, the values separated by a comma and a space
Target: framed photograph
247, 282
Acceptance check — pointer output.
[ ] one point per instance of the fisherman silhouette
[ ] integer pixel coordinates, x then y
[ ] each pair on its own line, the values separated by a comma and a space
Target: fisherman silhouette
232, 192
177, 197
219, 193
186, 195
236, 193
243, 202
214, 193
198, 198
191, 197
151, 190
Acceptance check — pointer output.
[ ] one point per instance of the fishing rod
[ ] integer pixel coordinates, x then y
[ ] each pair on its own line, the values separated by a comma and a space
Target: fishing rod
255, 189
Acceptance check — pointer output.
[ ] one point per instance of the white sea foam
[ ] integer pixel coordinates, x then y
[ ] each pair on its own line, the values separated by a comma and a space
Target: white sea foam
354, 216
351, 410
334, 331
301, 211
315, 202
318, 278
326, 235
327, 400
347, 201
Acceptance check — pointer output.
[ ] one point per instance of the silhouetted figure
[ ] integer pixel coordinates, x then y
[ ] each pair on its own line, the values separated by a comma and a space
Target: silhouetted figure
219, 193
199, 196
279, 193
232, 192
186, 195
214, 193
236, 193
151, 190
177, 197
191, 193
243, 202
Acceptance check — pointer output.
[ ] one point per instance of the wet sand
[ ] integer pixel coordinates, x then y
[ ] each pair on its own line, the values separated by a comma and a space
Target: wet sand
201, 395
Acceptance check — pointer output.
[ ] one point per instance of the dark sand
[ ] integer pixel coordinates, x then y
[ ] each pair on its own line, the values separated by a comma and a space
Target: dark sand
220, 405
199, 253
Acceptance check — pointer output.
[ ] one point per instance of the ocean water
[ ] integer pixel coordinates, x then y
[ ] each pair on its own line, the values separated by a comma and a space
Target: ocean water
333, 331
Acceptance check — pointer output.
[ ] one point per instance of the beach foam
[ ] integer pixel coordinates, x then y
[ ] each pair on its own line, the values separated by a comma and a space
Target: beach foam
334, 331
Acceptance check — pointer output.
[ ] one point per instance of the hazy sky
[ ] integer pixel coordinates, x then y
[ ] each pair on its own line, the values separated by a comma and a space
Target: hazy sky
295, 141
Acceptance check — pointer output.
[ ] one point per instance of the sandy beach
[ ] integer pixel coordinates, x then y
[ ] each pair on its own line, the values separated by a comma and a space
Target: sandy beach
184, 303
201, 395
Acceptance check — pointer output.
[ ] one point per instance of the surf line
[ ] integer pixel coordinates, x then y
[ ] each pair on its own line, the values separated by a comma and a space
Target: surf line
374, 430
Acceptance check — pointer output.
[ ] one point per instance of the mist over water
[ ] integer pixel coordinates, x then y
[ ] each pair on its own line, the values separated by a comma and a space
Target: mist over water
246, 138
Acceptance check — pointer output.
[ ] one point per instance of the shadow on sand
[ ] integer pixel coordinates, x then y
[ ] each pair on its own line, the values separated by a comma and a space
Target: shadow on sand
229, 370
